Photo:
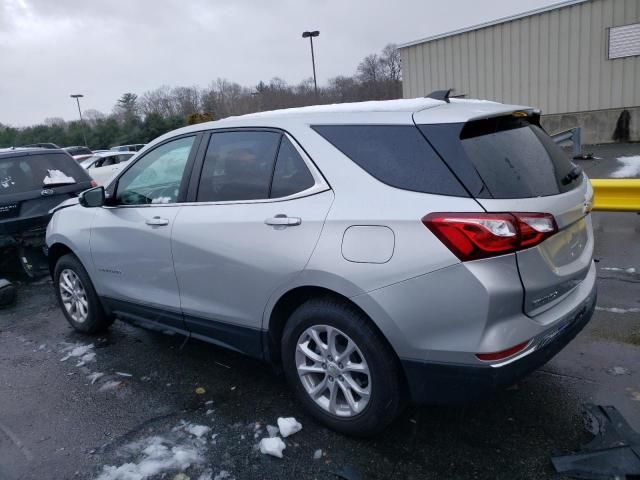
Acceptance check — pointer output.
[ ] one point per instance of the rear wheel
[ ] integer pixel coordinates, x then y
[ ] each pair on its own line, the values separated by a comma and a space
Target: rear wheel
77, 297
340, 368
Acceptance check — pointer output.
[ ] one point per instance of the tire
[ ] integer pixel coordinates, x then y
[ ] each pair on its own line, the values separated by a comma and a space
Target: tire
382, 387
89, 316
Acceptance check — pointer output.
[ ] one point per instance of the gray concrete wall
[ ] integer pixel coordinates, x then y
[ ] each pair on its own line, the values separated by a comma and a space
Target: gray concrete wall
555, 60
596, 126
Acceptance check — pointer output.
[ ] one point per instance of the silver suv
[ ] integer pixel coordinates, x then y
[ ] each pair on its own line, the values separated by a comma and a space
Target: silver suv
420, 249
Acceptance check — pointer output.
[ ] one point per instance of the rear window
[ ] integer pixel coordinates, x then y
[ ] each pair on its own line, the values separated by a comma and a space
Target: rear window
504, 157
397, 155
33, 172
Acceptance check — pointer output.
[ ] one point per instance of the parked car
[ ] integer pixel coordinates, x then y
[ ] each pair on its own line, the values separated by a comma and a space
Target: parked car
129, 148
431, 248
41, 145
77, 151
32, 182
104, 165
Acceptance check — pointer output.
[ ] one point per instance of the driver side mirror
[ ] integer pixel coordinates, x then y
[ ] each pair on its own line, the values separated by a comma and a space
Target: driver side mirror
93, 197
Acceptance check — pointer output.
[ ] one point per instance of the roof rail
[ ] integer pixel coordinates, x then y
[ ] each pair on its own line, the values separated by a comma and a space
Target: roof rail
440, 95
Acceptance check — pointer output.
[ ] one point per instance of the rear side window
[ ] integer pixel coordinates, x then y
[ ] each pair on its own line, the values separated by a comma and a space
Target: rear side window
34, 172
397, 155
238, 166
504, 157
291, 174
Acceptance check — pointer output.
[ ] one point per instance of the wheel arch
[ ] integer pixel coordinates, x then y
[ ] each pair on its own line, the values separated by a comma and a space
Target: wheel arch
289, 302
56, 251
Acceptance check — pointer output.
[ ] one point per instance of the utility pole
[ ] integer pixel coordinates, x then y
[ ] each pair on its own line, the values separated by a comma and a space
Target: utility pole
78, 96
310, 35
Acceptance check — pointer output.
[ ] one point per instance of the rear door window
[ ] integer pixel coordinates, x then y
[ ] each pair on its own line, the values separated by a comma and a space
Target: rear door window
504, 157
291, 174
26, 173
397, 155
238, 166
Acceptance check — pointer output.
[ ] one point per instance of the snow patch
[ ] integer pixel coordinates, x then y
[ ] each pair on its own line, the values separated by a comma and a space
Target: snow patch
618, 269
55, 177
618, 310
155, 455
86, 358
630, 167
272, 430
123, 374
197, 430
399, 105
6, 182
317, 455
272, 446
93, 377
110, 385
288, 426
616, 371
76, 351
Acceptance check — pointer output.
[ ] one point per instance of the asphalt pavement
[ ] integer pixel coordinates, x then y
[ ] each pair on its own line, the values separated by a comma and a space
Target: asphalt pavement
164, 403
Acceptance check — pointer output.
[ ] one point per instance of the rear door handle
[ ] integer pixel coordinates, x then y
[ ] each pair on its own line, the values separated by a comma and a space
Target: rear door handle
283, 220
157, 222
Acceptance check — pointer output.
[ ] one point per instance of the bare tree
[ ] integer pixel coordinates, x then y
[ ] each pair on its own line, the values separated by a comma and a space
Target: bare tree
370, 69
186, 100
391, 63
54, 121
158, 101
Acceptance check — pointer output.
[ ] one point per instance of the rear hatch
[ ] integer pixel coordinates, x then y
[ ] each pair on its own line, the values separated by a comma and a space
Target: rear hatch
34, 182
509, 164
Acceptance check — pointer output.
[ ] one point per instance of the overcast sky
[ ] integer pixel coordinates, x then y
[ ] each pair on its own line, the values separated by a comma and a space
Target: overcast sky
103, 48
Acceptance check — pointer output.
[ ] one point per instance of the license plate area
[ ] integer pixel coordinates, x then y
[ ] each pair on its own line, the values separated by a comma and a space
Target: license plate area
9, 211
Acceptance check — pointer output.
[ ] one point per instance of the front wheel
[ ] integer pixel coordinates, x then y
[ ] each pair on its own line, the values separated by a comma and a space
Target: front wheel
77, 297
340, 367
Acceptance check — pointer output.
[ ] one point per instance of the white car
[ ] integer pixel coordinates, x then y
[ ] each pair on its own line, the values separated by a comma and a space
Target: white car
104, 165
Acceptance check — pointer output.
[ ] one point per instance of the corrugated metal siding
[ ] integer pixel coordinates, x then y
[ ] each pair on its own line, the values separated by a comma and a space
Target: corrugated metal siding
556, 60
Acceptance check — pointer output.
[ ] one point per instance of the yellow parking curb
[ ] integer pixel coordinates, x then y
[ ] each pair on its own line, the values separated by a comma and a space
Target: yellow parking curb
616, 195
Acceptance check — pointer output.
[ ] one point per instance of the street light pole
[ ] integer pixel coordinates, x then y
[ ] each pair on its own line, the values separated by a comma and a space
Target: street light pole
315, 33
78, 96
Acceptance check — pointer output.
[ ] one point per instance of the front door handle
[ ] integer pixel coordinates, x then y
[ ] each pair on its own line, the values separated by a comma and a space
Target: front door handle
157, 222
283, 221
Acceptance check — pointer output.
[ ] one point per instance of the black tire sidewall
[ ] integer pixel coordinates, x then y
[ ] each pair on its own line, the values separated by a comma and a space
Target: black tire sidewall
96, 319
386, 393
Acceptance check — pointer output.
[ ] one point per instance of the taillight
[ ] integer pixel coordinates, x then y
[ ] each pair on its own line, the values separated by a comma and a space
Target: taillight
471, 236
509, 352
94, 183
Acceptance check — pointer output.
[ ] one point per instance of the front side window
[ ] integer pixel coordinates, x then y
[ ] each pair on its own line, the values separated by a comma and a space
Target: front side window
156, 177
238, 166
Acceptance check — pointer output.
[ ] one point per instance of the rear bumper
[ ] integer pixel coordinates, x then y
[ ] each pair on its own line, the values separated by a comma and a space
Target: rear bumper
439, 383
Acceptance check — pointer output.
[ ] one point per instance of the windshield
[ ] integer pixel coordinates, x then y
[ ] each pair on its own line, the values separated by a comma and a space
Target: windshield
33, 172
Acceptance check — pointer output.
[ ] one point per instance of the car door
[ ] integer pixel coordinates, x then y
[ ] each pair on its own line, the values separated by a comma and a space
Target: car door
245, 235
131, 237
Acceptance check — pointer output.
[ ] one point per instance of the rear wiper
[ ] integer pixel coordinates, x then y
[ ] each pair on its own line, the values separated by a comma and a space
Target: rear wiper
58, 184
572, 175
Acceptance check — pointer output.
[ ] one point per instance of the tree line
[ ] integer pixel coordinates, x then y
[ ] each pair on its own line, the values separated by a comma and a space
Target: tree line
141, 118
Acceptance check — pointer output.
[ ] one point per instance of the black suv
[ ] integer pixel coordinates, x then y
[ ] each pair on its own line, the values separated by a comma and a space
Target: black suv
32, 182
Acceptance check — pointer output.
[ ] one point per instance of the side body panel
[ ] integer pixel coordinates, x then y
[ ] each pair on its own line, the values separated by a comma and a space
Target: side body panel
133, 261
228, 261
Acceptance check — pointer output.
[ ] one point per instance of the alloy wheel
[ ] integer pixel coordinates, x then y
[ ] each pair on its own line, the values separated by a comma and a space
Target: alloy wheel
73, 295
333, 371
